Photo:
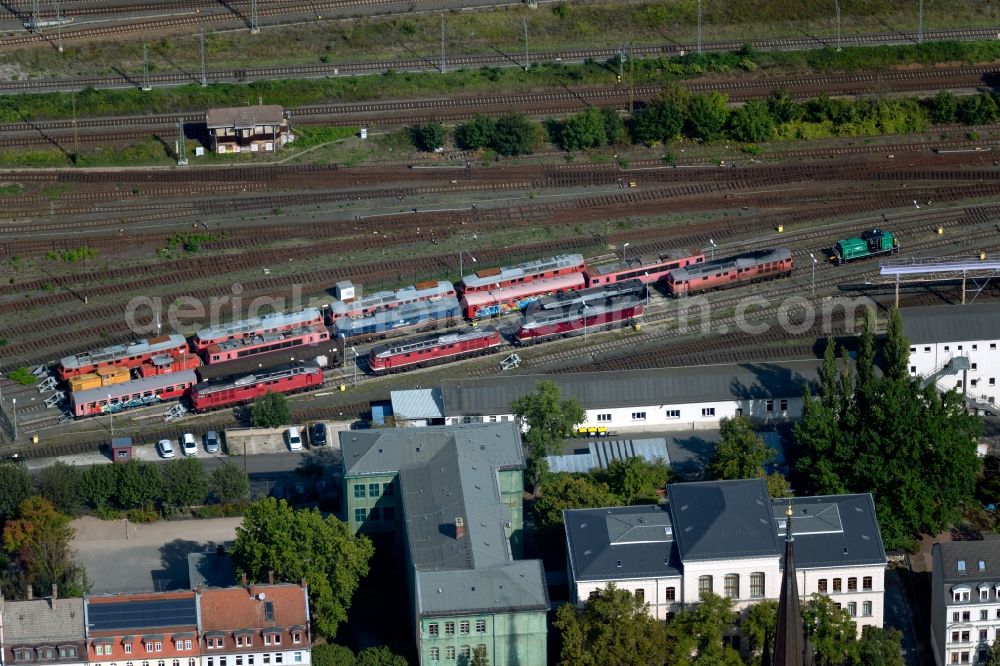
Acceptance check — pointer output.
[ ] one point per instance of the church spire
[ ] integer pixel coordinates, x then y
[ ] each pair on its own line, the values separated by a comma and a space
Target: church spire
789, 637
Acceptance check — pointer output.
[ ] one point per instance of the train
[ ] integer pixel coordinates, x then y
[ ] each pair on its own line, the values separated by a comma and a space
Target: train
500, 301
129, 355
367, 306
593, 310
646, 269
210, 395
262, 343
432, 350
277, 322
490, 279
411, 318
740, 269
131, 394
871, 243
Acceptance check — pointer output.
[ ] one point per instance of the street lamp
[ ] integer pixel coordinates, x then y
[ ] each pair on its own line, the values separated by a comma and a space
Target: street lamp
13, 402
813, 257
111, 416
624, 255
712, 243
355, 352
584, 319
647, 288
461, 271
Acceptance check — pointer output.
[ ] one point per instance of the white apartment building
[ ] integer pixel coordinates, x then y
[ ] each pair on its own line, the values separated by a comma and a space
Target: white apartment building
727, 537
957, 347
656, 399
965, 600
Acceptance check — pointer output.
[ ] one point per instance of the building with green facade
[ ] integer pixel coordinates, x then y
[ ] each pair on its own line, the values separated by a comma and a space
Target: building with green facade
455, 498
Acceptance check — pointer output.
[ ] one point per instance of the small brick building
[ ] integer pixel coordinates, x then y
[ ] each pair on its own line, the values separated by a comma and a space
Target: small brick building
247, 129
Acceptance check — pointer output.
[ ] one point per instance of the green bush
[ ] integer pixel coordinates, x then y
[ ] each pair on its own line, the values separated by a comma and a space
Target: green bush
227, 510
147, 514
22, 376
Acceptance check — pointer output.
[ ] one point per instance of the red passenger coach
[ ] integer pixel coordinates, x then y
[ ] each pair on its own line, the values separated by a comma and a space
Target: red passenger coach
264, 343
432, 349
277, 322
645, 269
500, 300
743, 268
287, 379
512, 276
137, 393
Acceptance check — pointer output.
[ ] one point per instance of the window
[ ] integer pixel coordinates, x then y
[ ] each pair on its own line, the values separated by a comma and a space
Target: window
993, 381
732, 586
149, 647
373, 489
708, 411
836, 585
449, 628
267, 639
278, 657
187, 643
704, 585
638, 416
913, 369
179, 645
769, 406
267, 658
128, 648
432, 629
852, 584
640, 594
360, 515
671, 594
99, 650
239, 660
211, 661
927, 349
465, 652
250, 659
435, 654
757, 584
954, 616
359, 490
159, 646
965, 616
821, 585
954, 637
239, 641
296, 637
866, 583
982, 634
177, 662
673, 413
298, 657
222, 661
388, 489
852, 608
601, 418
866, 608
984, 614
277, 639
388, 513
965, 636
449, 653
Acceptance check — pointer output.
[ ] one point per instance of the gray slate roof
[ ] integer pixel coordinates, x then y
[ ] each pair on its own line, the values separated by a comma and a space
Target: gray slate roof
388, 450
972, 553
639, 537
43, 620
518, 585
832, 530
417, 404
952, 323
662, 386
715, 520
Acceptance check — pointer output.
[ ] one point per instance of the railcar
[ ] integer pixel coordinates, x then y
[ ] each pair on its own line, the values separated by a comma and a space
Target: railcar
162, 365
500, 300
413, 318
264, 343
367, 306
597, 295
744, 268
645, 269
103, 377
287, 379
871, 243
432, 349
581, 317
136, 393
513, 276
130, 355
273, 323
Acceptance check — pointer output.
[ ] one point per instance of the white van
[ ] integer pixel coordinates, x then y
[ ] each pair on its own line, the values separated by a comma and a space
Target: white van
294, 439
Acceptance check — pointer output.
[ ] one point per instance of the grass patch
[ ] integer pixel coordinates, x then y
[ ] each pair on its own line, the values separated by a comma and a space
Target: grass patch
73, 256
317, 135
22, 376
11, 189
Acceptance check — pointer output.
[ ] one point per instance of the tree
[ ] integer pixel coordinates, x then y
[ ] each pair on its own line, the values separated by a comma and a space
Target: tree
229, 483
761, 622
977, 110
139, 484
59, 483
943, 108
549, 419
884, 647
185, 483
39, 542
896, 351
428, 137
568, 491
480, 657
659, 122
831, 631
741, 454
98, 484
332, 654
297, 544
752, 122
379, 656
514, 134
695, 635
707, 115
15, 487
778, 486
584, 130
270, 411
613, 627
475, 134
614, 127
635, 480
783, 108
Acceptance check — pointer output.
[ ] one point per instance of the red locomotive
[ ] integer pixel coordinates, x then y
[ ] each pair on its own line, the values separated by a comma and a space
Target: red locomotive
743, 268
263, 343
286, 379
165, 364
432, 349
645, 269
136, 393
130, 355
272, 323
591, 310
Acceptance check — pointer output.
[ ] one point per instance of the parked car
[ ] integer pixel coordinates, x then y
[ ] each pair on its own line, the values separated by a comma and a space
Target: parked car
317, 434
165, 448
211, 442
188, 446
294, 439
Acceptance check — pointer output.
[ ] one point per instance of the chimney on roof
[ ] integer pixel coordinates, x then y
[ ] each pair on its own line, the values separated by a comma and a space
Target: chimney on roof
243, 578
459, 527
31, 593
302, 583
270, 577
253, 590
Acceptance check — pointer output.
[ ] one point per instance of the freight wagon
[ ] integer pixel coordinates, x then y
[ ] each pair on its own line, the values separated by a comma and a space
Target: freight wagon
412, 318
272, 323
872, 243
136, 393
103, 377
432, 350
744, 268
287, 379
130, 355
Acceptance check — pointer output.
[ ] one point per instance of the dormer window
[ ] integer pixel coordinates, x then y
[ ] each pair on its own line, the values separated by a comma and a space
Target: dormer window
296, 637
67, 651
23, 654
128, 648
46, 653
